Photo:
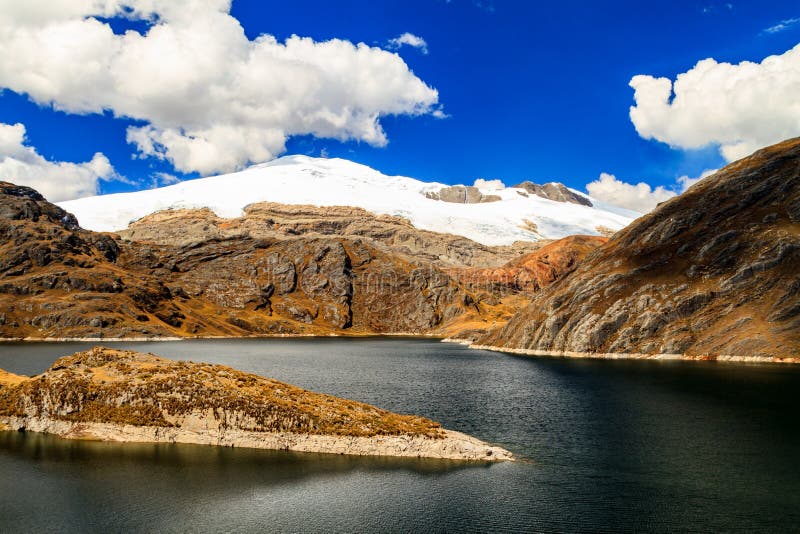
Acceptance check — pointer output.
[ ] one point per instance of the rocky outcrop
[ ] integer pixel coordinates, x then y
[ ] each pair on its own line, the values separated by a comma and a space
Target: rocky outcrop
270, 272
712, 273
554, 191
533, 271
461, 194
267, 220
126, 396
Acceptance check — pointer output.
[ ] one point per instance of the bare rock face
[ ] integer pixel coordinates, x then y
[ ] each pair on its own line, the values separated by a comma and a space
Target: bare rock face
554, 191
534, 271
127, 396
243, 277
461, 194
267, 220
711, 272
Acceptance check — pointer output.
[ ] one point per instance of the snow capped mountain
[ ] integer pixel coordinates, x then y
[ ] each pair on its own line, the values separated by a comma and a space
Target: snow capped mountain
513, 217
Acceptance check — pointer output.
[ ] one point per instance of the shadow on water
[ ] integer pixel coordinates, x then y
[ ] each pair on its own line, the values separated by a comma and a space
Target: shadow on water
258, 466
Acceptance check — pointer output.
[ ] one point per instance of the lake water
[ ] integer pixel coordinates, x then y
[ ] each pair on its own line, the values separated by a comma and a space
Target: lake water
611, 446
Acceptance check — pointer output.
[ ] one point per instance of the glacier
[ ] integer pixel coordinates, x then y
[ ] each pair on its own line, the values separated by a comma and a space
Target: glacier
339, 182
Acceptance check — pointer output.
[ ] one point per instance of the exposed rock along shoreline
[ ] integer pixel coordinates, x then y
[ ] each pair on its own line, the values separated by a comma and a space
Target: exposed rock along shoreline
190, 338
451, 446
524, 352
124, 396
631, 356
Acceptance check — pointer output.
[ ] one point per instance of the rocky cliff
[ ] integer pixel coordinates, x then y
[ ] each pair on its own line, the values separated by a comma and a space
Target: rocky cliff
711, 273
531, 272
268, 220
58, 280
554, 191
127, 396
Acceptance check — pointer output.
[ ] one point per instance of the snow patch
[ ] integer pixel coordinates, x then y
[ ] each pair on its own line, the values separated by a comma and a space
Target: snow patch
338, 182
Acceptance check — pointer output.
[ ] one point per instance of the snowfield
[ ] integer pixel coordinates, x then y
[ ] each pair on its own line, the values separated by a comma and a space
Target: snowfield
338, 182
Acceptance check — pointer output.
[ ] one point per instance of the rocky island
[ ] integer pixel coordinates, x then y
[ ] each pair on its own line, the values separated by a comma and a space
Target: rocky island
115, 395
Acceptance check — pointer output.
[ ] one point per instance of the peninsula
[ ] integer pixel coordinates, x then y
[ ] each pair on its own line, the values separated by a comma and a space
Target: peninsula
115, 395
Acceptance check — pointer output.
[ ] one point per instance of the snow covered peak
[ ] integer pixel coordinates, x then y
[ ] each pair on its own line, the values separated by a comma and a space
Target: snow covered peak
339, 182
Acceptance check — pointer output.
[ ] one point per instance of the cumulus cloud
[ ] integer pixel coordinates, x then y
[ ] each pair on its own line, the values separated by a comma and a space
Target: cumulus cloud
686, 182
493, 185
740, 108
637, 197
409, 39
161, 179
56, 180
209, 99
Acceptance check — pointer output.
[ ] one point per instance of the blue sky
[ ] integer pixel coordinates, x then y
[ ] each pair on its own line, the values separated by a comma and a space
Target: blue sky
532, 90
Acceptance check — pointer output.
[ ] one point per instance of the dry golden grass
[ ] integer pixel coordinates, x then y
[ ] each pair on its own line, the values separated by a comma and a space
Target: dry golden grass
8, 379
123, 387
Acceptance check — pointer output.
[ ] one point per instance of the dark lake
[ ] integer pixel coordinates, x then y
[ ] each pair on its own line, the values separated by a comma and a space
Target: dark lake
611, 446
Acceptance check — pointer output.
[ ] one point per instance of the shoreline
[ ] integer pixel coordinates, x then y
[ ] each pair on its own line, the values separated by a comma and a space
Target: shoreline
190, 338
453, 446
723, 358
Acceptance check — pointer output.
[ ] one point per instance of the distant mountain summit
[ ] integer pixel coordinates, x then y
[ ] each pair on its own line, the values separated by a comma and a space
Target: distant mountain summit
488, 216
712, 273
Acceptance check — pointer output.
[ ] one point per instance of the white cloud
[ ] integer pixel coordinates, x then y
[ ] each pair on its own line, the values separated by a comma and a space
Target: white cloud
782, 25
686, 182
161, 179
409, 39
492, 185
210, 99
739, 108
21, 164
639, 197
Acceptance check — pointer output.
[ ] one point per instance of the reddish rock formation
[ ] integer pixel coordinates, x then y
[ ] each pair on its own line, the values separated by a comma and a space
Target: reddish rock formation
533, 271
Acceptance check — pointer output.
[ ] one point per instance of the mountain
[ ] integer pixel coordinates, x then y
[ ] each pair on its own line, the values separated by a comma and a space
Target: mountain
490, 216
278, 269
531, 272
115, 395
268, 220
59, 280
713, 273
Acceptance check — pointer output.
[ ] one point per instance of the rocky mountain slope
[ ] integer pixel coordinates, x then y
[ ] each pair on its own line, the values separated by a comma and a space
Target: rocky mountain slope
714, 272
531, 272
267, 220
128, 396
58, 280
505, 215
554, 191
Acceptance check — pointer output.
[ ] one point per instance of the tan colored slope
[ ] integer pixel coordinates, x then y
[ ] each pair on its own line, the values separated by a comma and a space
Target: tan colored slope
58, 280
533, 271
128, 396
8, 379
712, 272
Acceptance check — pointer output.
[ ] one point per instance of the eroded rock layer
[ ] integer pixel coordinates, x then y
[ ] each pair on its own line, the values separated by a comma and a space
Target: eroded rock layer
267, 220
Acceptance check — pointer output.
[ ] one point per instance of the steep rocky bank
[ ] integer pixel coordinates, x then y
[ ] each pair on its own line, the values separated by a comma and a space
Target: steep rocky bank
116, 395
711, 274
